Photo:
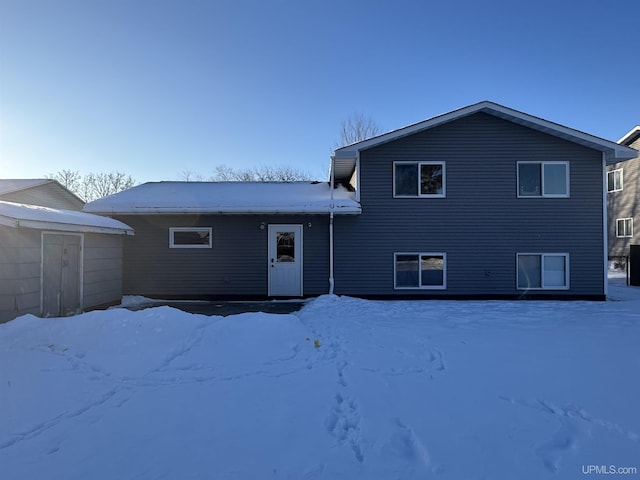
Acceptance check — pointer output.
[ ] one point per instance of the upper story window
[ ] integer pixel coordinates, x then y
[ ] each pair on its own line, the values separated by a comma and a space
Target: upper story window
624, 227
419, 179
614, 180
190, 237
543, 179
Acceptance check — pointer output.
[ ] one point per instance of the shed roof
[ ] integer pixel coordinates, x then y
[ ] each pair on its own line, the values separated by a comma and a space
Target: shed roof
345, 157
45, 218
228, 198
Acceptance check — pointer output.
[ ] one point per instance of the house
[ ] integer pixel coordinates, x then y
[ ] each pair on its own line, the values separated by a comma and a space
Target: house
246, 240
43, 192
623, 200
481, 202
55, 261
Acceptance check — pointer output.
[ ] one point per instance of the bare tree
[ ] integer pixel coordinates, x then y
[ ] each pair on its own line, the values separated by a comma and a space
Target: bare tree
93, 185
70, 179
356, 128
187, 175
265, 173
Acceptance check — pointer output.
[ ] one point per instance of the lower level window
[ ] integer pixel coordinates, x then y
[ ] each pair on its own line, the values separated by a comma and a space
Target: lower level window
190, 237
543, 271
420, 270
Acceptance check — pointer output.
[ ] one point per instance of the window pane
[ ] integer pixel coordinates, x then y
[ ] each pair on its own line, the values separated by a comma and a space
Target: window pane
529, 178
192, 237
555, 179
406, 179
407, 271
554, 271
431, 179
285, 244
432, 270
529, 271
610, 181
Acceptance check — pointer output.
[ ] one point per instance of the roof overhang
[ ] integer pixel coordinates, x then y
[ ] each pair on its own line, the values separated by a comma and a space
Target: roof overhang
631, 136
344, 158
17, 215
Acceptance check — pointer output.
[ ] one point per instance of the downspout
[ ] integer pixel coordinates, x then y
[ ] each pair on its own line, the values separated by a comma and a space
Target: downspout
331, 208
605, 225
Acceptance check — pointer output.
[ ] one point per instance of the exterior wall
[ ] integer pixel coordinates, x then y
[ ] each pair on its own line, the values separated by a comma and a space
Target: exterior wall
625, 204
49, 195
235, 266
481, 224
19, 272
102, 270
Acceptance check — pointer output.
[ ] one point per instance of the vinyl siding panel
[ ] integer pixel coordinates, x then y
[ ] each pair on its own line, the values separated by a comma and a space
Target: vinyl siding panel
102, 270
481, 224
19, 272
235, 266
625, 204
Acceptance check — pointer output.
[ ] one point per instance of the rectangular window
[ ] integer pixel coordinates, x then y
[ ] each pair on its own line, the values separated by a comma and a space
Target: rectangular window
614, 180
624, 227
190, 237
419, 179
543, 271
543, 179
420, 270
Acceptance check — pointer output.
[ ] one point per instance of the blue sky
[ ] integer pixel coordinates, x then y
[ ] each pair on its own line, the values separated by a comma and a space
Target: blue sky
154, 87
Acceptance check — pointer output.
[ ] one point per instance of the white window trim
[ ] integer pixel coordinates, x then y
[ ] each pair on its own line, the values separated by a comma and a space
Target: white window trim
418, 166
542, 194
543, 287
421, 287
618, 230
172, 230
621, 180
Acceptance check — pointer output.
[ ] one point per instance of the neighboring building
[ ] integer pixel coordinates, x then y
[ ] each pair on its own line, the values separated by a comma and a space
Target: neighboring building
42, 191
482, 202
55, 262
623, 201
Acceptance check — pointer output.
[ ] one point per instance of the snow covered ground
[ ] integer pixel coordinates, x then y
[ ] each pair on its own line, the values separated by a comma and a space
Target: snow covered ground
344, 389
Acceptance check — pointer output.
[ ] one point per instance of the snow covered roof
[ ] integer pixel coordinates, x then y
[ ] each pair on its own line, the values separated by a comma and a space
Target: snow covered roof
227, 198
344, 159
44, 218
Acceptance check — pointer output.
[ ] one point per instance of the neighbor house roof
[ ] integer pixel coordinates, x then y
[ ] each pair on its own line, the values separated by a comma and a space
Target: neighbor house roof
345, 157
227, 198
39, 191
45, 218
631, 136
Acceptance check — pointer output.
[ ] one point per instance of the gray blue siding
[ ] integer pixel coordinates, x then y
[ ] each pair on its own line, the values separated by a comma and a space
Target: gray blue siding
481, 224
102, 270
235, 266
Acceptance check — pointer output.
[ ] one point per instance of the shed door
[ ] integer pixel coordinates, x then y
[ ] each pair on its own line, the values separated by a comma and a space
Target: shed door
61, 272
285, 260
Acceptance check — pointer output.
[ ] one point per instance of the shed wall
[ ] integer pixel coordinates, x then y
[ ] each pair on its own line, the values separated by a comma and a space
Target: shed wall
481, 224
19, 272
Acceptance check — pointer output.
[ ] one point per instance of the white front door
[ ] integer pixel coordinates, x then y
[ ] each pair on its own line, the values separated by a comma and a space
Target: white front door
285, 260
